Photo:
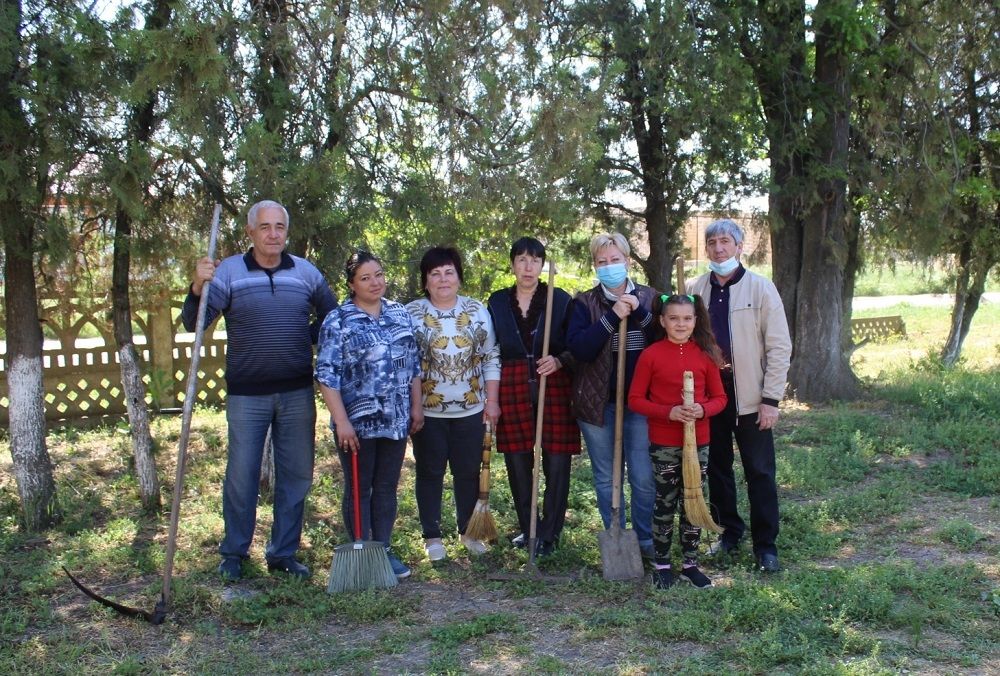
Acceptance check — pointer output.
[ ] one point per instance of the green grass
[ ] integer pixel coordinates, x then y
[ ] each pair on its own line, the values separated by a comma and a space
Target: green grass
888, 538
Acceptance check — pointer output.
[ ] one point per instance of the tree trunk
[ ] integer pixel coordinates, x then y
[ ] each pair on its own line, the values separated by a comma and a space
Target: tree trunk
776, 52
969, 288
26, 392
953, 344
140, 125
647, 128
662, 250
820, 369
978, 253
134, 388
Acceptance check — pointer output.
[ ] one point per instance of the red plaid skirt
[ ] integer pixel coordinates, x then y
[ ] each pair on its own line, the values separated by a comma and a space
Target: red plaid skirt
516, 429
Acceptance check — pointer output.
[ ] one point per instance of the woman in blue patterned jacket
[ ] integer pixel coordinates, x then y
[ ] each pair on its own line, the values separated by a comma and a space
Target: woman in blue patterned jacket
368, 368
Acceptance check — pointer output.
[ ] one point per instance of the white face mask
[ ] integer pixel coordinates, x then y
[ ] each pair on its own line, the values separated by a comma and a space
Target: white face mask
724, 268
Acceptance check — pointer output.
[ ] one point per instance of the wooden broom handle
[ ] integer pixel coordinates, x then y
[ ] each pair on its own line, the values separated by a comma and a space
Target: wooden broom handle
540, 412
680, 275
688, 395
484, 472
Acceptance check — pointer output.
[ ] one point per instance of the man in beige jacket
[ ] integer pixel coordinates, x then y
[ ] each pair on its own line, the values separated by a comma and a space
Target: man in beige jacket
750, 326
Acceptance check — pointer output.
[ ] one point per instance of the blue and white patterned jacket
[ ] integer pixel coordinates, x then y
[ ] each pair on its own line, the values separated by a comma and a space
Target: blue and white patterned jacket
371, 362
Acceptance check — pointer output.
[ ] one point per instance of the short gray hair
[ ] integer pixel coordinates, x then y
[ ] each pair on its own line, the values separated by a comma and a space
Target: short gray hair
265, 204
724, 226
606, 239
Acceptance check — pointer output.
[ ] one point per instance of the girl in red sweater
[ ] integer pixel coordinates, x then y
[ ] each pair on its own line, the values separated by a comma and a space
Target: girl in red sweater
656, 393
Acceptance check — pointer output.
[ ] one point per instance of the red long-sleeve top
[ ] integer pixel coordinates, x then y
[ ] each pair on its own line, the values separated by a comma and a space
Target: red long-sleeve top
658, 385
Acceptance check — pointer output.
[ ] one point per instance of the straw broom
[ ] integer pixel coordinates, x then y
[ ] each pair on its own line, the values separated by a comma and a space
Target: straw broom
694, 500
481, 524
359, 564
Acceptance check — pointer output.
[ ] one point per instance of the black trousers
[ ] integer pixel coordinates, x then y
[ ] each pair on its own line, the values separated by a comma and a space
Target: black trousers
556, 468
447, 442
757, 454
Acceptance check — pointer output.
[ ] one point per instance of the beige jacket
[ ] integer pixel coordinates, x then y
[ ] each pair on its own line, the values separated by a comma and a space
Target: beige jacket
758, 331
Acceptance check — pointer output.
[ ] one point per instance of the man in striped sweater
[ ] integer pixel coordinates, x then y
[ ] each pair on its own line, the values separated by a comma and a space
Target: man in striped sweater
273, 304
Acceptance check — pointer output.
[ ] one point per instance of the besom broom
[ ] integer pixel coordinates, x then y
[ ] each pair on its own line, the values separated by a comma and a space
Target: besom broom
360, 564
481, 524
694, 499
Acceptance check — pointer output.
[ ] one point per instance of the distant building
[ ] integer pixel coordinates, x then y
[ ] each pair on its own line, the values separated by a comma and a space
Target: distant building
756, 246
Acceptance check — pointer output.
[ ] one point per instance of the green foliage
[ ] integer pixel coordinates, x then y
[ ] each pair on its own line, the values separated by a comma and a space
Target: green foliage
962, 534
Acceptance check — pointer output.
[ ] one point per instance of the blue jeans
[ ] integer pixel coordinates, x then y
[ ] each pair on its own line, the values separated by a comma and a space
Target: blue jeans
635, 455
380, 461
292, 419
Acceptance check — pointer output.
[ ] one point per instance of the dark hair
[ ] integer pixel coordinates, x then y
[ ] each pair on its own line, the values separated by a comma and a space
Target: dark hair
355, 261
702, 334
436, 257
527, 245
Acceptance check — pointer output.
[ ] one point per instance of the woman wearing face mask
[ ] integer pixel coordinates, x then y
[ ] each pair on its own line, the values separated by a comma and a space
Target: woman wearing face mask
592, 338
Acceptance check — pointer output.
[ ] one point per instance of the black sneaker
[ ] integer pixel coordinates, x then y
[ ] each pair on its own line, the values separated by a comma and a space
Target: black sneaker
289, 566
723, 548
231, 568
696, 577
768, 563
544, 548
663, 578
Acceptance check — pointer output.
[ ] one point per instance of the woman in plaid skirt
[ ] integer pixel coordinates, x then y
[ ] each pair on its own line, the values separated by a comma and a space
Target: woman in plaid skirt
519, 320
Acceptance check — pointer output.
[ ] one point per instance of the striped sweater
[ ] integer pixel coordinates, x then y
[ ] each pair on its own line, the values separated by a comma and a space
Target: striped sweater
272, 321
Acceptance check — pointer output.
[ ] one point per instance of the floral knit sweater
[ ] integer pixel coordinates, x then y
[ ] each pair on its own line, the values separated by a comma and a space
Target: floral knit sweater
458, 354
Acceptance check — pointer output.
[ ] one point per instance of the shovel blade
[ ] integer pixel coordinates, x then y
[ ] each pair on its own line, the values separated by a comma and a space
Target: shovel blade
620, 556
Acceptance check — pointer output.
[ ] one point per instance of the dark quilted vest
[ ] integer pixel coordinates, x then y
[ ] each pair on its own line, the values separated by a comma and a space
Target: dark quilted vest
592, 380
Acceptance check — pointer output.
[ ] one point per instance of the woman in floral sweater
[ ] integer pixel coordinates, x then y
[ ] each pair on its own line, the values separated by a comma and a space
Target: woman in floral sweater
460, 369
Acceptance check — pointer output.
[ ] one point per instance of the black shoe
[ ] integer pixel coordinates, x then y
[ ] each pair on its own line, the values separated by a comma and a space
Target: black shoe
231, 568
663, 578
520, 540
544, 548
695, 577
768, 563
724, 547
290, 566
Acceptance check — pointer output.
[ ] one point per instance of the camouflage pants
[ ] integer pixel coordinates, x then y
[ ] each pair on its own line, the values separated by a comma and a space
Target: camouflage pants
670, 500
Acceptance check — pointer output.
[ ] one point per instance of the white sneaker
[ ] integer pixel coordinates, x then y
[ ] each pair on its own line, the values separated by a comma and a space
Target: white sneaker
475, 547
435, 550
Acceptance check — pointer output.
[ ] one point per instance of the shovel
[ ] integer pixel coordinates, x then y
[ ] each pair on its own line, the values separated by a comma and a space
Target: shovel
620, 556
159, 613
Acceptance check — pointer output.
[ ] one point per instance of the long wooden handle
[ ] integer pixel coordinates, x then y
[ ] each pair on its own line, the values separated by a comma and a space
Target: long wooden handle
540, 414
484, 471
688, 396
616, 480
189, 396
680, 274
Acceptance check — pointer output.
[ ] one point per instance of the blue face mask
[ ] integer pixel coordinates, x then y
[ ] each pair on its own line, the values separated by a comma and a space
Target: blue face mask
612, 276
725, 268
